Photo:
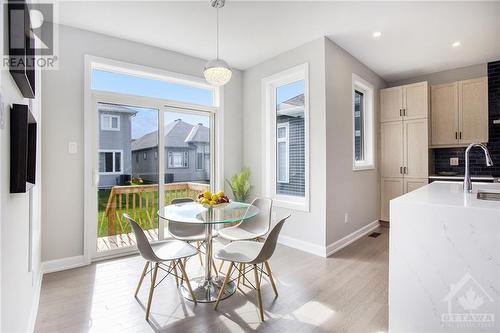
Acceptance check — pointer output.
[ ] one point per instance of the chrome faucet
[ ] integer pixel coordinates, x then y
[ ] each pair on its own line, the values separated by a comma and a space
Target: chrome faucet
489, 162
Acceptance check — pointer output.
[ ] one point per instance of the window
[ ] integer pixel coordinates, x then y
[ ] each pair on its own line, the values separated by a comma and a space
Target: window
199, 161
286, 115
110, 161
110, 122
145, 155
358, 126
178, 159
363, 132
282, 159
156, 154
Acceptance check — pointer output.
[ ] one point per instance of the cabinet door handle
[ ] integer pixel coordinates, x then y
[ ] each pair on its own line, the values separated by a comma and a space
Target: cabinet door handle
404, 170
400, 112
401, 170
460, 136
456, 135
404, 112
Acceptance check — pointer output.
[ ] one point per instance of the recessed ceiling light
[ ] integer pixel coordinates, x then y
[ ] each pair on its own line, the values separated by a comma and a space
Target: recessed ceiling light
377, 34
456, 44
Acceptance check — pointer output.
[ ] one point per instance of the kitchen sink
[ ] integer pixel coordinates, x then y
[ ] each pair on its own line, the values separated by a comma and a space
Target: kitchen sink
488, 195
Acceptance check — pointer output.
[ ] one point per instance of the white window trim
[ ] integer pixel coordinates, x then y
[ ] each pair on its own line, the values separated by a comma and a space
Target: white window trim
110, 128
269, 85
121, 161
185, 157
202, 161
367, 89
286, 140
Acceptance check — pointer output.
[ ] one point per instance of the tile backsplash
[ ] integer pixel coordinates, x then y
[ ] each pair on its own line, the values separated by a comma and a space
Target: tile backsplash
477, 162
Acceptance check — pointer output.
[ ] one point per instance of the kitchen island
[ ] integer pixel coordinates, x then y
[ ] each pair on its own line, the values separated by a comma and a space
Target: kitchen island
444, 260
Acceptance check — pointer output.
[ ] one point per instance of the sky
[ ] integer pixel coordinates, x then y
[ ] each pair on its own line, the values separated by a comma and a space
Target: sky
146, 120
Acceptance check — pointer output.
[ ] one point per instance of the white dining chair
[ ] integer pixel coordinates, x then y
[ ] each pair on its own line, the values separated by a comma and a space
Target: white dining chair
171, 252
189, 232
253, 254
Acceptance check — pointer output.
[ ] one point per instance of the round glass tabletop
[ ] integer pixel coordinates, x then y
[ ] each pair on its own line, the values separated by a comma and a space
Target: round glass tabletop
193, 212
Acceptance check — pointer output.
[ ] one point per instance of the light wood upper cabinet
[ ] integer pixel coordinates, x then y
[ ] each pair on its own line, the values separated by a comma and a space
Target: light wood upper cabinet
391, 103
416, 100
473, 110
459, 112
390, 188
444, 115
416, 148
391, 153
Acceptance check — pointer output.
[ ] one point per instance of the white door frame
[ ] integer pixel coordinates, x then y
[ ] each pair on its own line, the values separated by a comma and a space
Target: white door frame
92, 98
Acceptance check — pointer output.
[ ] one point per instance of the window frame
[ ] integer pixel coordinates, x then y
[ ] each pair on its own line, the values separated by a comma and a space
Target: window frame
269, 148
185, 160
286, 140
114, 151
110, 128
368, 130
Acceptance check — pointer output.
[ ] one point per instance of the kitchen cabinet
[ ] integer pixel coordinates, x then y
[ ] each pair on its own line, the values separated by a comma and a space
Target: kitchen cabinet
404, 141
459, 113
404, 102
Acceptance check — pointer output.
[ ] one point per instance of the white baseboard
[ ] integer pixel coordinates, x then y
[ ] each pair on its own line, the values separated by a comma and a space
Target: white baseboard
35, 302
352, 237
57, 265
302, 245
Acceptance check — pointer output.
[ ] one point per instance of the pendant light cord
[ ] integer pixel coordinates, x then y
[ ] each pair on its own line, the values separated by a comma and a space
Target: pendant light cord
217, 36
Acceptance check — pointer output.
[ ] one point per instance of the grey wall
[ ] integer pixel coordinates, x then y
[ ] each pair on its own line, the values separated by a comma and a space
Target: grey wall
308, 227
353, 192
457, 74
63, 102
20, 276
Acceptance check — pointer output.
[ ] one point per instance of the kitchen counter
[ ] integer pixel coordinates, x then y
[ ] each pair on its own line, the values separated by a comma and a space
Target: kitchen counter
461, 177
444, 260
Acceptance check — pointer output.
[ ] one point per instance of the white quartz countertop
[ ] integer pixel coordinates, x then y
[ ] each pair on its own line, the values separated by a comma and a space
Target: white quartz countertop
461, 177
451, 194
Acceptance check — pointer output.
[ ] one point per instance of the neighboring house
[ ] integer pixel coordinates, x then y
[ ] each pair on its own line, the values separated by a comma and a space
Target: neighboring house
187, 154
114, 144
290, 150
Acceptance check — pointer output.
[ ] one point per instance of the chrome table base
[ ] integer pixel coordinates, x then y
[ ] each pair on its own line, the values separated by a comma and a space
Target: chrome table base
207, 291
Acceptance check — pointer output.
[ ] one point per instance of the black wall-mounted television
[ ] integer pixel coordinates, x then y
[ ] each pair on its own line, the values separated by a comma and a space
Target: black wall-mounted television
21, 47
23, 129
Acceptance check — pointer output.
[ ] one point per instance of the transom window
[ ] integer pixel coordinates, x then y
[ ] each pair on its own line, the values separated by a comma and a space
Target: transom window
110, 122
110, 161
178, 159
286, 147
363, 132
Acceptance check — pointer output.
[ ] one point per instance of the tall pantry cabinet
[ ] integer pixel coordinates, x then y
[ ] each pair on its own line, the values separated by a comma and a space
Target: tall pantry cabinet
404, 141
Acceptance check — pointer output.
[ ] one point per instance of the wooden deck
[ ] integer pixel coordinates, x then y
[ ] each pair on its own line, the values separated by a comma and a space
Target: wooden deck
123, 240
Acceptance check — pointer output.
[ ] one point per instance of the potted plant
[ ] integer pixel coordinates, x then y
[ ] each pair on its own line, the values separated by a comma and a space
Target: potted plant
240, 185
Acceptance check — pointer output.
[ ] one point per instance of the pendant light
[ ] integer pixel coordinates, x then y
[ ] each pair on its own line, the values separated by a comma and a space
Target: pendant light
217, 72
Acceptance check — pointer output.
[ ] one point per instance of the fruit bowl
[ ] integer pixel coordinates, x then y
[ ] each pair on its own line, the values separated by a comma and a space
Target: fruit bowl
213, 200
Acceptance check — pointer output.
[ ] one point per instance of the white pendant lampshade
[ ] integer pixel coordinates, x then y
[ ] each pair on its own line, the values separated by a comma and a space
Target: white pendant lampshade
217, 72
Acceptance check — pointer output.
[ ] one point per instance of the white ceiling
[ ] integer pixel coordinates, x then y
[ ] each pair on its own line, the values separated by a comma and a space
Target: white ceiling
416, 36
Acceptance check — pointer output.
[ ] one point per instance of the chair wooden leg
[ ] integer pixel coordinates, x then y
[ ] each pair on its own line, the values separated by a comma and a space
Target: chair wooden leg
146, 266
151, 290
188, 284
268, 269
239, 275
243, 274
226, 280
220, 266
199, 253
174, 268
257, 287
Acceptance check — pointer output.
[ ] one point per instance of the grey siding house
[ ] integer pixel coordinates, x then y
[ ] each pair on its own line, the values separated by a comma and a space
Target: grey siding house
291, 147
114, 143
187, 154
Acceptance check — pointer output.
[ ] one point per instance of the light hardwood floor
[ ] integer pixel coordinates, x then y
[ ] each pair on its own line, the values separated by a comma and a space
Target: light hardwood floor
346, 292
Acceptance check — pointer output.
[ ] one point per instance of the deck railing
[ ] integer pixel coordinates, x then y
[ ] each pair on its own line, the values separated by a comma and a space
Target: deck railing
141, 203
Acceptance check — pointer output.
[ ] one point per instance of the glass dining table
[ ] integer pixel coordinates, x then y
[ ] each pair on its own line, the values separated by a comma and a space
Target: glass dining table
206, 288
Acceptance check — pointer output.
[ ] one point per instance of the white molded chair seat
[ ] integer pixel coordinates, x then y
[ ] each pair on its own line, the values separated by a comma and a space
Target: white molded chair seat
254, 227
173, 250
240, 251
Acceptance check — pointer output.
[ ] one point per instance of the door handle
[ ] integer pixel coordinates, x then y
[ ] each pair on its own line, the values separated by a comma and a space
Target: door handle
404, 112
456, 135
404, 170
400, 112
401, 170
460, 136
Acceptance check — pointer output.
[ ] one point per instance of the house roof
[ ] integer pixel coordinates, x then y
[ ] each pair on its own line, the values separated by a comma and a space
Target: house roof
293, 107
178, 134
115, 108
